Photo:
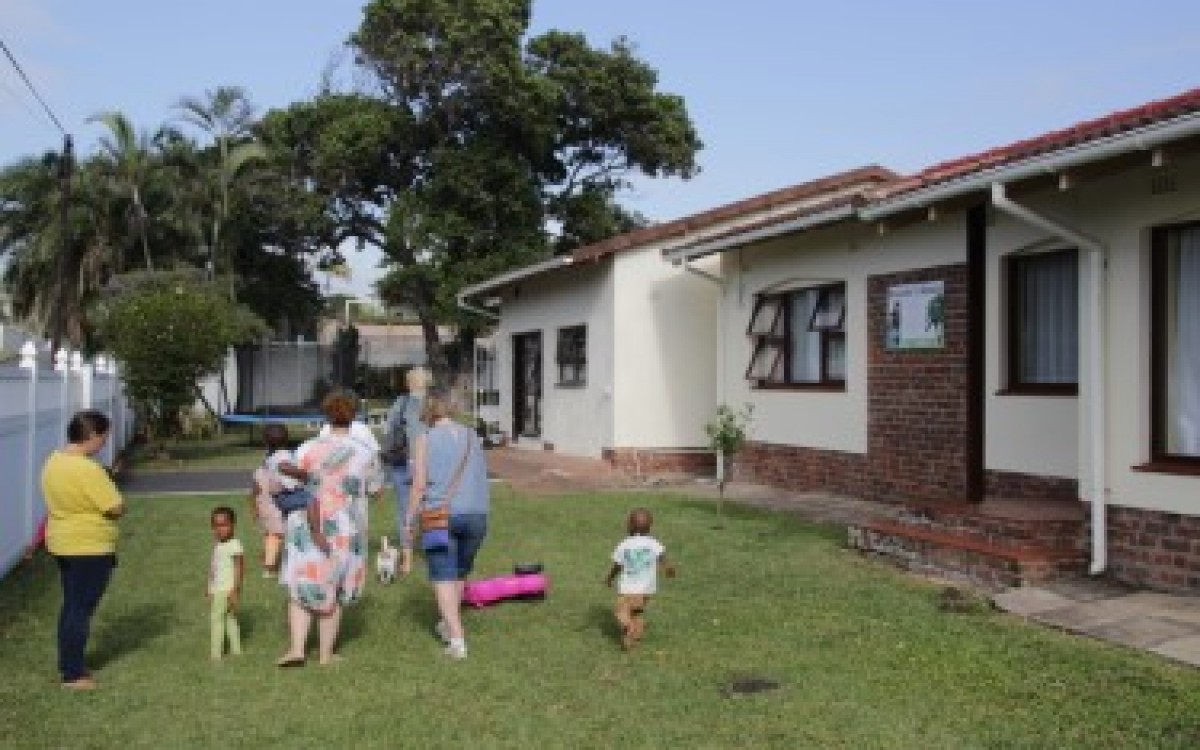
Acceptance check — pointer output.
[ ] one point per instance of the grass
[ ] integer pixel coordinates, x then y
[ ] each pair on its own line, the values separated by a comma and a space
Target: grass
863, 654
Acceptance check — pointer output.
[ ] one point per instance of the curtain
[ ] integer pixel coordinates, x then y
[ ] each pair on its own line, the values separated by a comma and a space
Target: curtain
1183, 347
806, 344
1048, 317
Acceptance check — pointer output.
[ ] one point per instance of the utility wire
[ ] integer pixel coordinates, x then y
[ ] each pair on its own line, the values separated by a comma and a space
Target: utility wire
32, 88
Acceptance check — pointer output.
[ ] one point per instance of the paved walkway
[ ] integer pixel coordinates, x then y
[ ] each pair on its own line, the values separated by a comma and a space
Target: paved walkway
1163, 624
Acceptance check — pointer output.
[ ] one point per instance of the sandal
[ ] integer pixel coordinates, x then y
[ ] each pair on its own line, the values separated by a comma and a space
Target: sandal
290, 661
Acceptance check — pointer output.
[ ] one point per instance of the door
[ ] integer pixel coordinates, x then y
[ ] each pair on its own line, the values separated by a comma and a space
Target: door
527, 384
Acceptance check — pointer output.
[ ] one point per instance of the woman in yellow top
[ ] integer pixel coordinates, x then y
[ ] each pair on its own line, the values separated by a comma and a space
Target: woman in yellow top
83, 505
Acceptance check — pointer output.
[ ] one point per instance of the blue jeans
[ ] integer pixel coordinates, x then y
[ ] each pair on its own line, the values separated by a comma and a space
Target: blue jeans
84, 579
402, 480
455, 561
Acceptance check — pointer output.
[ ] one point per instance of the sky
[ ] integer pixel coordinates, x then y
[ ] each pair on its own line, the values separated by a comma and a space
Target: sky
780, 91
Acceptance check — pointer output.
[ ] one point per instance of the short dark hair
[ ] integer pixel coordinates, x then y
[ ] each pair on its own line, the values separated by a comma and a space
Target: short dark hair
87, 424
340, 408
640, 521
223, 510
275, 434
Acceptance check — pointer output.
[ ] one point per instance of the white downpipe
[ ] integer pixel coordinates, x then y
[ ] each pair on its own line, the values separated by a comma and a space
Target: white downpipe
720, 346
1092, 309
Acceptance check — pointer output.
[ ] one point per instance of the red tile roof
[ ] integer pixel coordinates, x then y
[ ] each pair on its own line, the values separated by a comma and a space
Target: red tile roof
870, 176
1079, 134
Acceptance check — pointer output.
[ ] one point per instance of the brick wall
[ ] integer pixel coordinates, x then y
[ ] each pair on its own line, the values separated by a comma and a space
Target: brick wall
1012, 485
802, 469
917, 399
1154, 549
642, 461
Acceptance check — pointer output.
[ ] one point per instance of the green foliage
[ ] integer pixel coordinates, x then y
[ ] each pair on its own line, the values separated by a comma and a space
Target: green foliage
727, 431
167, 334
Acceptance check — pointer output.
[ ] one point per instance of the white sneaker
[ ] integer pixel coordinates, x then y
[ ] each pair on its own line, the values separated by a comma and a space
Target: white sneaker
457, 650
443, 631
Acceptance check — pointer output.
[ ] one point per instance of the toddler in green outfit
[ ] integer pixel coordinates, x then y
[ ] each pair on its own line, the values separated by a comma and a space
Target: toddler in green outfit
225, 583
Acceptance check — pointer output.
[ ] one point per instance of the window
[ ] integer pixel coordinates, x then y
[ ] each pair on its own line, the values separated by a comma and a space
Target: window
799, 339
1043, 322
1175, 344
572, 355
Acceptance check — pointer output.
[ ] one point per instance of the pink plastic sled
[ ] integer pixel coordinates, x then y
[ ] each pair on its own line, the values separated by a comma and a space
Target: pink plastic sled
492, 590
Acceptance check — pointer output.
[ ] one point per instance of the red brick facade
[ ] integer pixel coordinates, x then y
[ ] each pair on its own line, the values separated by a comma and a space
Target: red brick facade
1154, 549
643, 461
802, 469
1010, 484
917, 399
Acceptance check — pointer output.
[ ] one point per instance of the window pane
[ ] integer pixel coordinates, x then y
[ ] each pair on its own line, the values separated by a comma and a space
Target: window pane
835, 356
806, 344
767, 364
767, 320
831, 310
1047, 315
1183, 344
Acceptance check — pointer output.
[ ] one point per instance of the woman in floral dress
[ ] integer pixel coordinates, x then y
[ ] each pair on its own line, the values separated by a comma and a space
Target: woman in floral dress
325, 562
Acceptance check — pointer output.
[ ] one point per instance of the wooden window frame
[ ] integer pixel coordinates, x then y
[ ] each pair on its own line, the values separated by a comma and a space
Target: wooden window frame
1160, 459
776, 340
1015, 385
571, 356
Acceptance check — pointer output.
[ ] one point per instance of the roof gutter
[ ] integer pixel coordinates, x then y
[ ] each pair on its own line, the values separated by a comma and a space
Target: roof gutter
504, 279
1144, 139
692, 252
1092, 420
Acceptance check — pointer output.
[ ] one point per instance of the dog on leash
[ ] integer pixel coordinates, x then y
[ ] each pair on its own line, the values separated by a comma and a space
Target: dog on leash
385, 561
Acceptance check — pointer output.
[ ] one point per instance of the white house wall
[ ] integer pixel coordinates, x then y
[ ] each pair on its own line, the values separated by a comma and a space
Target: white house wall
576, 420
1024, 434
1119, 211
819, 419
664, 382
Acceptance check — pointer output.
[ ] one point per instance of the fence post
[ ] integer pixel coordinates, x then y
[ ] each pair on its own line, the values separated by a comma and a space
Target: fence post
29, 362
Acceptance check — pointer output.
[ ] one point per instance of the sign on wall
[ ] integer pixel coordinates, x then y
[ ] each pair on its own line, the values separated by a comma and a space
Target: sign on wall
916, 316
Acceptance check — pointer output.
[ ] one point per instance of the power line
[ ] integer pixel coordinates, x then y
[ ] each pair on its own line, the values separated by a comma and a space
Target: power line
32, 88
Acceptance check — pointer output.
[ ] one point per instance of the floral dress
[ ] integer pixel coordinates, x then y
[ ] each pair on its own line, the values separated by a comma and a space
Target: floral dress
344, 473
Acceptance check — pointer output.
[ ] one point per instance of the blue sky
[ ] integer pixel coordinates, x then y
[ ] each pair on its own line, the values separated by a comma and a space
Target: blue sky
781, 91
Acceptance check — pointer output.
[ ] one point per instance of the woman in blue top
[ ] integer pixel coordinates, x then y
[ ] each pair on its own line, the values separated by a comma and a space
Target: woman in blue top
449, 468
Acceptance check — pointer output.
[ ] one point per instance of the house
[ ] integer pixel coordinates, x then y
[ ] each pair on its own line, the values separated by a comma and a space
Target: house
1007, 344
608, 351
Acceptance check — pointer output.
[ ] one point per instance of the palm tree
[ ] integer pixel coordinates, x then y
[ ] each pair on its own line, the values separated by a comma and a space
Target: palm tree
130, 158
31, 239
227, 115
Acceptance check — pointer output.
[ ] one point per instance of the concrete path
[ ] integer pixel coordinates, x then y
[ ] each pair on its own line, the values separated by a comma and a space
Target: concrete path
1163, 624
185, 482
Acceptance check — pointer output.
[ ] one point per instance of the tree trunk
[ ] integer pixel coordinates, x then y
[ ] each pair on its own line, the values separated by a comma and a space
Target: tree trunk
434, 353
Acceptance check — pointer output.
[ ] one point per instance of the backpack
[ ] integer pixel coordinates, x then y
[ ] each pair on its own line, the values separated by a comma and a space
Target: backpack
396, 452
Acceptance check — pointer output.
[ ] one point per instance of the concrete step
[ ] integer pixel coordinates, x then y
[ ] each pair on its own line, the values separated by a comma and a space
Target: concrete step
958, 552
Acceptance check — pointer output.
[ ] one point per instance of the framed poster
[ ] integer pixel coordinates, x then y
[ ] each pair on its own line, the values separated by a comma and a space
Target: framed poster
916, 316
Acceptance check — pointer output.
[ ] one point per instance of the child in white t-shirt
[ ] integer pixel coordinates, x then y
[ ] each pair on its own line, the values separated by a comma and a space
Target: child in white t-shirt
225, 574
635, 565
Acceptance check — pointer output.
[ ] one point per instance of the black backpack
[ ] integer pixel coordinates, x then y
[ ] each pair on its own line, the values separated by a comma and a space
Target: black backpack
396, 452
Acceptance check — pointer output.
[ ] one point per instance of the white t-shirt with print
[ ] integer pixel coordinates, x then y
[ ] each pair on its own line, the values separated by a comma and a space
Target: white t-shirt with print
281, 456
638, 557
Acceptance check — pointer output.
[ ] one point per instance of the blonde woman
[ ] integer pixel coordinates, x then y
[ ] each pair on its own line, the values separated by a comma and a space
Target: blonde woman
450, 472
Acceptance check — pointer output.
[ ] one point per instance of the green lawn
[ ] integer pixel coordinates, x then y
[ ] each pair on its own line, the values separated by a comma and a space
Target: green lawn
864, 656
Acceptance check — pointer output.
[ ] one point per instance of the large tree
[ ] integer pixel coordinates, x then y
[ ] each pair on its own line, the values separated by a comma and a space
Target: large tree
470, 141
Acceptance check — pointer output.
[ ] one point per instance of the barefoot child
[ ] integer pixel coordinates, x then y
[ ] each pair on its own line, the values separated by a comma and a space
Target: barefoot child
273, 478
636, 562
225, 583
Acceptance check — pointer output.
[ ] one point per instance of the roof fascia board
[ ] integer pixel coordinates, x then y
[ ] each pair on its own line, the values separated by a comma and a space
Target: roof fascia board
1143, 139
560, 261
693, 252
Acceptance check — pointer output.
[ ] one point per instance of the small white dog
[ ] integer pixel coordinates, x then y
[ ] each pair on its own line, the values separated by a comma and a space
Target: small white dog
385, 561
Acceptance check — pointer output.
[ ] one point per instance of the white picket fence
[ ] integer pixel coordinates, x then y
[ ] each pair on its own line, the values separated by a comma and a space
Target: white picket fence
38, 395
